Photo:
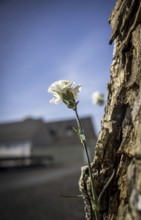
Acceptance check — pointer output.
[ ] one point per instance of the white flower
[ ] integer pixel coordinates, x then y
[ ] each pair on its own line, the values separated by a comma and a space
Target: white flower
65, 91
97, 98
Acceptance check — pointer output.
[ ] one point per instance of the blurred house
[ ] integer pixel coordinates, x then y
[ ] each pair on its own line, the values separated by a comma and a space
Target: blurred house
37, 140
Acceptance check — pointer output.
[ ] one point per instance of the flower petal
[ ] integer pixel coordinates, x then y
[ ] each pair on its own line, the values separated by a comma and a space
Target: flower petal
77, 88
66, 84
53, 88
55, 100
63, 87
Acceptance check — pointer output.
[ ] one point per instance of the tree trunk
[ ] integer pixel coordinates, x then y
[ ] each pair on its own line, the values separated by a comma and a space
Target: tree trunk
118, 149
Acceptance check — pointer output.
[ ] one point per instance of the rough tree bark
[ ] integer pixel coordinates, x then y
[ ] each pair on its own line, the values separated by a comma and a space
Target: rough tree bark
119, 142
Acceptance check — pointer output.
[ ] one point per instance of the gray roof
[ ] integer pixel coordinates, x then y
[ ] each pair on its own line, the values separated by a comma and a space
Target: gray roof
62, 131
27, 130
42, 133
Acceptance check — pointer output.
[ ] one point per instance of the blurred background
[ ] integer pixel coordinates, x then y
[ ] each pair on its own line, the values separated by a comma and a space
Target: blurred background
43, 41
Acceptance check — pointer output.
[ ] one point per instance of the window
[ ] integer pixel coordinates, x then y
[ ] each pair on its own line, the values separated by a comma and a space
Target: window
52, 133
68, 131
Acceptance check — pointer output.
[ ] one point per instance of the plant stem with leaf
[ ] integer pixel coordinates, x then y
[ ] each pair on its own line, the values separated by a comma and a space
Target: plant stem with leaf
80, 133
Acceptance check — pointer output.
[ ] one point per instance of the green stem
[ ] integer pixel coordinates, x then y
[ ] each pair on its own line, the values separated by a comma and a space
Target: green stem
94, 195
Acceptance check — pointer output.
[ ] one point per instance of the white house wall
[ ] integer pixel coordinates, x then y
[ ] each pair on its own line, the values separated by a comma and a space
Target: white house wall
16, 150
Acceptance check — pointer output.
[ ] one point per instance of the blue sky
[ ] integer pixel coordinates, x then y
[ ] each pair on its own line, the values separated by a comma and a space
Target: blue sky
43, 41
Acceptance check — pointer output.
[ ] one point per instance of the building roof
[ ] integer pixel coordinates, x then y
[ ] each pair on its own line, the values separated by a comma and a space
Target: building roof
42, 133
62, 131
26, 130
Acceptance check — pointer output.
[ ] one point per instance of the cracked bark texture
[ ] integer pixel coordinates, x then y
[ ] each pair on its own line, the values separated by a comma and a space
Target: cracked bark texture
119, 142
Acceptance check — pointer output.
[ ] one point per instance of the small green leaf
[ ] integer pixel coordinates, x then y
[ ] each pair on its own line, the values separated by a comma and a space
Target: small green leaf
75, 130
